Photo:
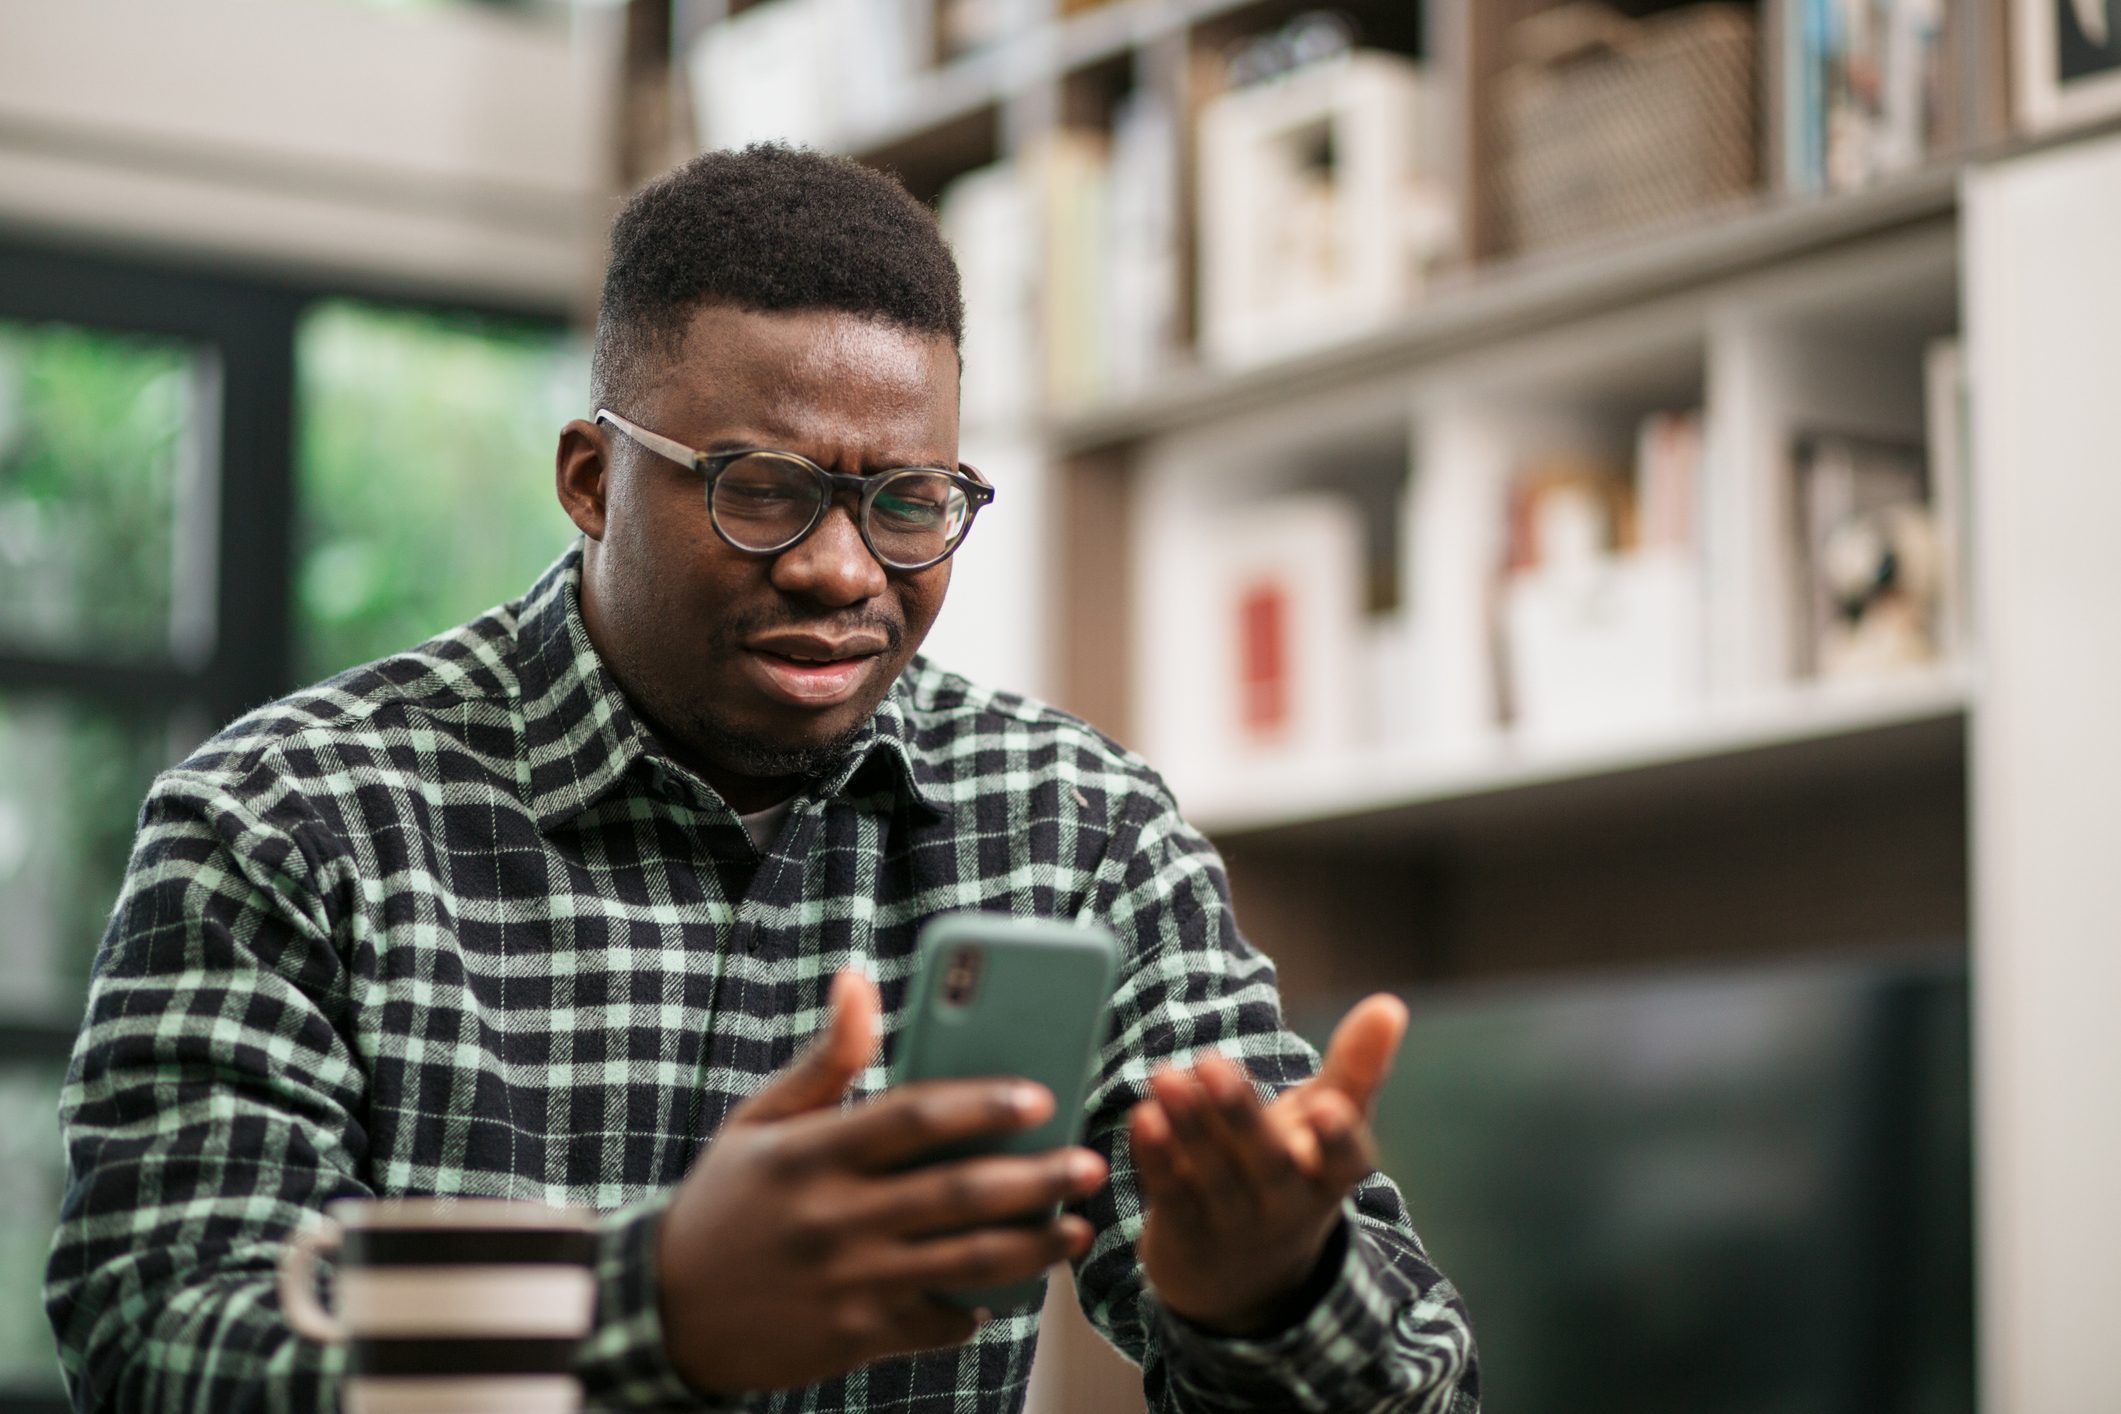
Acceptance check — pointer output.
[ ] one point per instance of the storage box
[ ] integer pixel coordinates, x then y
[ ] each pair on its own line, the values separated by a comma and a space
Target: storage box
1610, 125
1317, 218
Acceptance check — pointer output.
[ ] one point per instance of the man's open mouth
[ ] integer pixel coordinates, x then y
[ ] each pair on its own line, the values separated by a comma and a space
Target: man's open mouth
812, 681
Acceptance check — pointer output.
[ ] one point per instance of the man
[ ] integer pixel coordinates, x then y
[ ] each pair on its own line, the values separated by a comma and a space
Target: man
582, 903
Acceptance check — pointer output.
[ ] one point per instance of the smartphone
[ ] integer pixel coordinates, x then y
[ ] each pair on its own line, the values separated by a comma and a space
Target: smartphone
1000, 996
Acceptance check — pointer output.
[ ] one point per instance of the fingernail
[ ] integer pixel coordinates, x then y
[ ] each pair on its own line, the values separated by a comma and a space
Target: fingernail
1031, 1101
1083, 1168
981, 1315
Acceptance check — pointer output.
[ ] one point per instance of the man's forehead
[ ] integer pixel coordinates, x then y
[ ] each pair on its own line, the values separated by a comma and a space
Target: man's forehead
758, 376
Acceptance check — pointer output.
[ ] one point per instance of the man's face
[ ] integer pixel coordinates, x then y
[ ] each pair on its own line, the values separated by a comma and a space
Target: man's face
756, 669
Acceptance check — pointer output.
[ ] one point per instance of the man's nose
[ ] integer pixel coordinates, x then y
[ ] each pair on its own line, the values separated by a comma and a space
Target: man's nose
832, 564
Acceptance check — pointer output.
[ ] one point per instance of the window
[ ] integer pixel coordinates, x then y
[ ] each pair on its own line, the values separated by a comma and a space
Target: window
101, 441
34, 1171
72, 776
177, 547
425, 472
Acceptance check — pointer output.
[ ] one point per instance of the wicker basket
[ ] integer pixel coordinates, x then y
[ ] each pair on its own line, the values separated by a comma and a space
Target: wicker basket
1610, 125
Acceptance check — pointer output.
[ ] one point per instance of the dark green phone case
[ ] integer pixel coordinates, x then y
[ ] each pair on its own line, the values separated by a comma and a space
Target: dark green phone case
1037, 1011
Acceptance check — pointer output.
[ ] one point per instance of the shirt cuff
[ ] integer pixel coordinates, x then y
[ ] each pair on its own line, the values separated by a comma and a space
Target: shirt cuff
1324, 1362
623, 1363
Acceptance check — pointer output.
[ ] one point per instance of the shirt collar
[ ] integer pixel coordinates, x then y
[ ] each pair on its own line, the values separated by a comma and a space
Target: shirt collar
581, 737
889, 745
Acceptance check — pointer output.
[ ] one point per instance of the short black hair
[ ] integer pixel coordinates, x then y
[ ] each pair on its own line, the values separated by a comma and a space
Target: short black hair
768, 227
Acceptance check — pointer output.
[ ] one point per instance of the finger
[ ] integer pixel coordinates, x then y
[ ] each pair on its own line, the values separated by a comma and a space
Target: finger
1289, 1120
1258, 1152
1347, 1152
1155, 1158
1360, 1054
989, 1256
966, 1193
906, 1124
1195, 1133
817, 1078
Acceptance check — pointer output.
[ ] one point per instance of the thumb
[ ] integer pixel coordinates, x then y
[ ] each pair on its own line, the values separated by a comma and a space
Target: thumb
818, 1077
1360, 1054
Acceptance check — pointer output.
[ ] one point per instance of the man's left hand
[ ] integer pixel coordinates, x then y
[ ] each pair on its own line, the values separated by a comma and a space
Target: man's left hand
1244, 1197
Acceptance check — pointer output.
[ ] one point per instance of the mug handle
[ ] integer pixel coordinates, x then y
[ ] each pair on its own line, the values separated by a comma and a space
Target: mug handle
298, 1282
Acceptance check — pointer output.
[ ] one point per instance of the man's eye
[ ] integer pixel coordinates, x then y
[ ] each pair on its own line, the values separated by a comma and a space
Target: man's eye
909, 510
757, 497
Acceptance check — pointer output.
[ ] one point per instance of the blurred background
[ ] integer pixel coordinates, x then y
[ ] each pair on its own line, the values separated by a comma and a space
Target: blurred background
1605, 512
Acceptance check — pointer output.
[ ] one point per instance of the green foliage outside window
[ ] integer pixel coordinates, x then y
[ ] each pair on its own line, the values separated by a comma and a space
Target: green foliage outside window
425, 473
424, 478
71, 781
30, 1157
92, 429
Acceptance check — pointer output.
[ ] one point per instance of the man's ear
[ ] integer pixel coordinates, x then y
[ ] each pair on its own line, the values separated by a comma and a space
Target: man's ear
580, 474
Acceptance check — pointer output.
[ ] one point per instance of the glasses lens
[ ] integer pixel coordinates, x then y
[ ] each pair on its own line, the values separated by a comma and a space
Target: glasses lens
761, 502
916, 517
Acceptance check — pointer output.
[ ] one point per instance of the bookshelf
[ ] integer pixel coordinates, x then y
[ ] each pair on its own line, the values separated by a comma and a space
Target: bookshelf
1720, 752
1851, 288
1758, 309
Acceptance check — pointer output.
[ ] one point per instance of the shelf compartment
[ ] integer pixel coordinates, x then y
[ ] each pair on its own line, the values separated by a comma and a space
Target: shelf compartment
1809, 731
1527, 296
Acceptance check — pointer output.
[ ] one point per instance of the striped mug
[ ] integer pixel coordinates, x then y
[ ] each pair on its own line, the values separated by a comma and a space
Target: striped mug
448, 1306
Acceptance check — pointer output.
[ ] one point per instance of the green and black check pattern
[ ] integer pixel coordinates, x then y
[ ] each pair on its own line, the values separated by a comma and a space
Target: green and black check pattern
452, 923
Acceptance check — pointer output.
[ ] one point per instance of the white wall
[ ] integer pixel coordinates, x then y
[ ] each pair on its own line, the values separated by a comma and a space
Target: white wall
462, 151
2044, 320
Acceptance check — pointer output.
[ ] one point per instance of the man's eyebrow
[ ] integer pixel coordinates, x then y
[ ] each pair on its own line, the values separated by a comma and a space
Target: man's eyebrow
736, 442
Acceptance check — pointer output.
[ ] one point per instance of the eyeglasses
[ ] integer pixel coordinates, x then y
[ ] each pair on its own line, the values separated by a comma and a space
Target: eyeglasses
764, 502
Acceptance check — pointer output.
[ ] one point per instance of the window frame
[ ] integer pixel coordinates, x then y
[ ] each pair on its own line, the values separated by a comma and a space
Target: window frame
250, 324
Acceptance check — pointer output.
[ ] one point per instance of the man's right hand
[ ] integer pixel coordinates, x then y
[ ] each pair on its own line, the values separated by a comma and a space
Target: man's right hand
799, 1246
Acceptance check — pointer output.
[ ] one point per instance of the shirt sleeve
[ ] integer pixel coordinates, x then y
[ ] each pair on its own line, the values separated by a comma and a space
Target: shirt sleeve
1388, 1332
212, 1106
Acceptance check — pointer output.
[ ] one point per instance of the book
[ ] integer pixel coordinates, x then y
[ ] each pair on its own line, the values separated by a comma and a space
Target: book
1668, 451
1285, 594
1869, 563
1871, 89
1073, 167
986, 215
1144, 255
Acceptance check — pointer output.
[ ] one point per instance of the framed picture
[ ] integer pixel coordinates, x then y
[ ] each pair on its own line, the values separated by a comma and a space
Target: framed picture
2069, 61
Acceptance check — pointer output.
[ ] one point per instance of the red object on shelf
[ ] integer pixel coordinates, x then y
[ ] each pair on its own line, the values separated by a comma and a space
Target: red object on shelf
1263, 659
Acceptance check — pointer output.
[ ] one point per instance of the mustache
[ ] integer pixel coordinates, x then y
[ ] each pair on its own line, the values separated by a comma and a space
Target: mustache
744, 626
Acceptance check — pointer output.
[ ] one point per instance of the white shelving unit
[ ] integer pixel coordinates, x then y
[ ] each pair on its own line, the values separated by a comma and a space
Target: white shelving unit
1774, 815
1831, 334
2044, 310
1412, 795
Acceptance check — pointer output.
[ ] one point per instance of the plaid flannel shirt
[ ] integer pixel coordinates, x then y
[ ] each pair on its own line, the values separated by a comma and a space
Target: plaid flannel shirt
452, 923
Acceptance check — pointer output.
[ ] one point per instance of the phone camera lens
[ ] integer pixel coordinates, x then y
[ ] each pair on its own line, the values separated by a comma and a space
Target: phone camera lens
961, 977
